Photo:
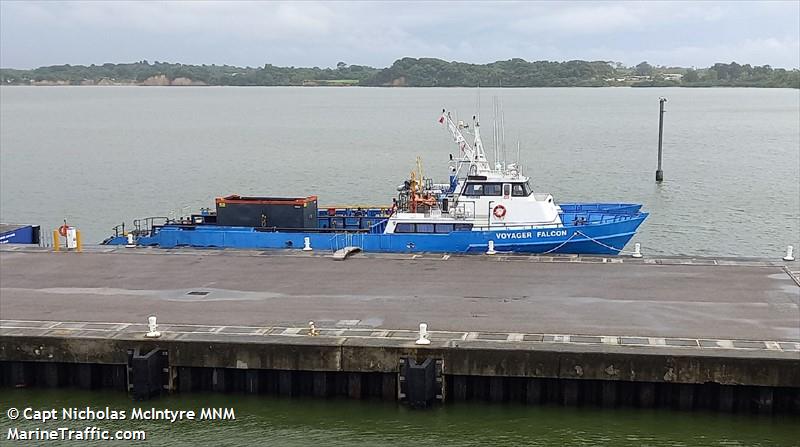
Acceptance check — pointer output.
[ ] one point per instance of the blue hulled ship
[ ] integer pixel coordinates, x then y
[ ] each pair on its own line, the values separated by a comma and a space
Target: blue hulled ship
482, 207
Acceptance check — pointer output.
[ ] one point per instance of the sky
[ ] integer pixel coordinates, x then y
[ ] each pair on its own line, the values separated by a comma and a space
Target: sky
307, 34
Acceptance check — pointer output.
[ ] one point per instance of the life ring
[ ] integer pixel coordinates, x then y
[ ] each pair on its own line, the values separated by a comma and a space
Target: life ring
499, 211
62, 230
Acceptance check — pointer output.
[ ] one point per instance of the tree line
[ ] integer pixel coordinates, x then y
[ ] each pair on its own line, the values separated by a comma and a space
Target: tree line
412, 72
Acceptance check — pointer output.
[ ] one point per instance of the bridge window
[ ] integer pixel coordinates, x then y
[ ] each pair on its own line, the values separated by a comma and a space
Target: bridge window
493, 189
484, 189
463, 227
520, 190
474, 189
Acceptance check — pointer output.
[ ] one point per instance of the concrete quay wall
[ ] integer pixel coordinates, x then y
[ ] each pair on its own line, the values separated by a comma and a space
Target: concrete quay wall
471, 370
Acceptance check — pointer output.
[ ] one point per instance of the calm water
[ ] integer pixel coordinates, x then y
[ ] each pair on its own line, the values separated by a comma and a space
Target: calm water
98, 156
273, 421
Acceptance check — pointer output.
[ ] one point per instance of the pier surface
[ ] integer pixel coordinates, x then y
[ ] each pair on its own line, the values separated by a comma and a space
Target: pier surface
676, 332
683, 298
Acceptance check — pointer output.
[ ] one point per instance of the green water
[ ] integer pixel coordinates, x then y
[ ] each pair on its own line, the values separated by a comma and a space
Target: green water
274, 421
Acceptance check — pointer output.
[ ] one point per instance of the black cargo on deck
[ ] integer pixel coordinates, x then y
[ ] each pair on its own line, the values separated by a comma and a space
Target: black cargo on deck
277, 212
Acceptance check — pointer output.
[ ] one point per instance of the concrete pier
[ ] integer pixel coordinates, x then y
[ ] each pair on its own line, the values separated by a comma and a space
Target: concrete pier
679, 333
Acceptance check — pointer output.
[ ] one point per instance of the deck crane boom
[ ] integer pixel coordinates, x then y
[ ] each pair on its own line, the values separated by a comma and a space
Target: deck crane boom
474, 154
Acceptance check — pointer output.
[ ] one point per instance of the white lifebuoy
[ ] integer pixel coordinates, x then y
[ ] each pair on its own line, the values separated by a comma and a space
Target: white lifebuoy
499, 211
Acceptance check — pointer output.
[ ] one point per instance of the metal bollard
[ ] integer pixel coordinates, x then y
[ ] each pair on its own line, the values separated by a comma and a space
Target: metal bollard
153, 327
491, 251
423, 335
312, 329
307, 244
637, 250
789, 253
131, 242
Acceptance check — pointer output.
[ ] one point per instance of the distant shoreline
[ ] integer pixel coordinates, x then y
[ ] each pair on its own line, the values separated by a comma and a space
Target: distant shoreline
410, 72
43, 85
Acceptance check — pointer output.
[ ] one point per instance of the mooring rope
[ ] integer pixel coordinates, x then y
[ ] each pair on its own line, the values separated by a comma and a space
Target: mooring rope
562, 244
576, 233
618, 250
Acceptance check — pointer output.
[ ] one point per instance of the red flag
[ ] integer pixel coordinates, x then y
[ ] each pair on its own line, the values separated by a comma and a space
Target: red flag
441, 119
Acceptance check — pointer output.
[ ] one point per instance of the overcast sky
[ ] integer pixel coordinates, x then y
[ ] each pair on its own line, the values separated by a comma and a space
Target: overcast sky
321, 34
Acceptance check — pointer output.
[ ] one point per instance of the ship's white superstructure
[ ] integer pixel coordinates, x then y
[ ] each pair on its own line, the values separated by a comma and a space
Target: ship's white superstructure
479, 197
